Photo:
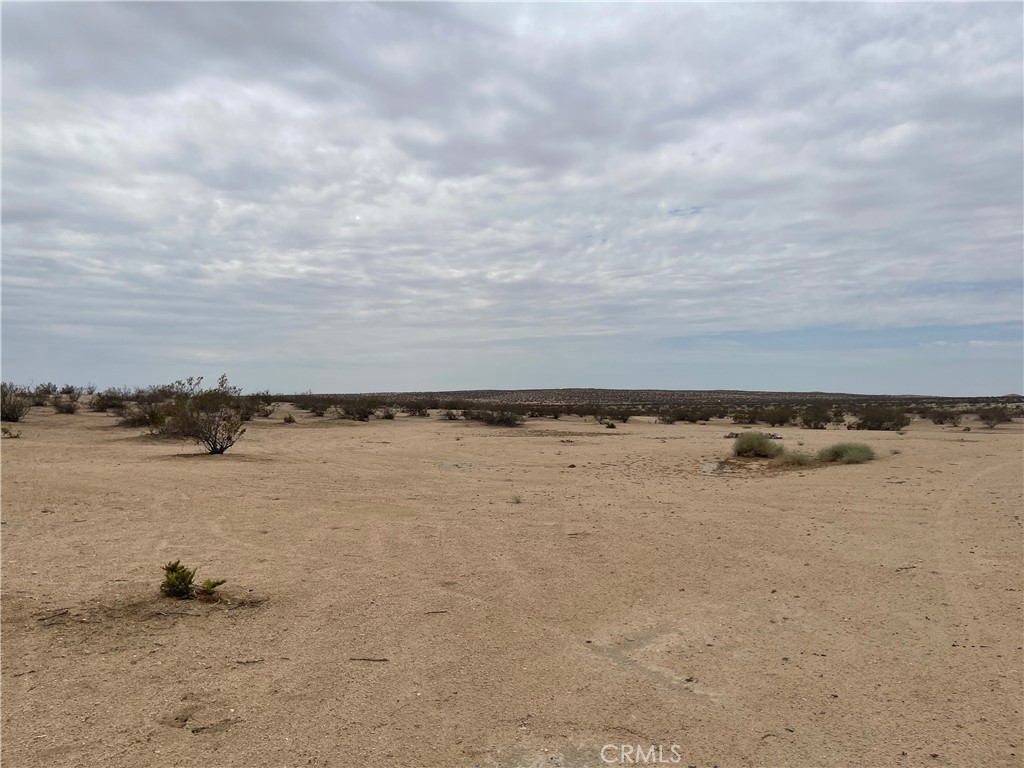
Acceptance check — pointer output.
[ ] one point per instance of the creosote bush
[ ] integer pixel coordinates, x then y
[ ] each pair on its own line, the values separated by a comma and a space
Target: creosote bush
64, 404
756, 444
13, 403
847, 453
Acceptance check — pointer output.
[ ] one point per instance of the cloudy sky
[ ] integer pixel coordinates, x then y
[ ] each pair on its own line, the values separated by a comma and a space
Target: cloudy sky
348, 197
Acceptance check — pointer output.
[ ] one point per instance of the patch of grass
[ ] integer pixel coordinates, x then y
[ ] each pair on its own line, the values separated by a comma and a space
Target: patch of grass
847, 453
756, 444
795, 459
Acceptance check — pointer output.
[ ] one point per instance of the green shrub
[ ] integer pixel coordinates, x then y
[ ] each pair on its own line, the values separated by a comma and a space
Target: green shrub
882, 417
779, 415
847, 453
994, 416
178, 581
815, 416
211, 417
109, 399
13, 403
63, 404
756, 444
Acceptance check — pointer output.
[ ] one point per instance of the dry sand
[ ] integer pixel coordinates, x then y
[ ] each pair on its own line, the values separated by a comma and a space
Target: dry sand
862, 615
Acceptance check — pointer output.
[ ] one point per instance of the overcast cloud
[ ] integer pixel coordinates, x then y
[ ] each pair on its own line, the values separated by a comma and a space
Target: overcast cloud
354, 197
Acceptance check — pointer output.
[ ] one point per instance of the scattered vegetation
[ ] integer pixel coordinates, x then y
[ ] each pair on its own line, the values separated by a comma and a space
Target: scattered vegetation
882, 417
756, 444
9, 433
288, 419
13, 403
846, 453
994, 415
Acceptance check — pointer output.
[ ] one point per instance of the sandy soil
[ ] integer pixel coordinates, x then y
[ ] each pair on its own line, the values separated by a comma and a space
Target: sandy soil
531, 612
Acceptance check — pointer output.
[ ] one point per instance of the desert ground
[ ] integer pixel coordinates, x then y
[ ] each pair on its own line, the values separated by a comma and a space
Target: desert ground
529, 596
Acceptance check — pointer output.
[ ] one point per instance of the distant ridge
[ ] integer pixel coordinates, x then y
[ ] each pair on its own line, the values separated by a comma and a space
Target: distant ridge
577, 395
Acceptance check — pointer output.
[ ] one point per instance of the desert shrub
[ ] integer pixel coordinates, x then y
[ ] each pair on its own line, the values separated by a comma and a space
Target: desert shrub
416, 408
13, 402
449, 415
610, 425
847, 453
387, 413
288, 419
71, 392
9, 433
882, 417
756, 444
42, 393
668, 417
64, 404
151, 415
795, 459
494, 418
178, 580
109, 399
355, 409
260, 404
942, 416
90, 389
815, 416
749, 415
778, 415
994, 415
211, 417
838, 415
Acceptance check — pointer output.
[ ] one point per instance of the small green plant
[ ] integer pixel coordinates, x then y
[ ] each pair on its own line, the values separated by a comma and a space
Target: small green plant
178, 581
208, 588
756, 444
847, 453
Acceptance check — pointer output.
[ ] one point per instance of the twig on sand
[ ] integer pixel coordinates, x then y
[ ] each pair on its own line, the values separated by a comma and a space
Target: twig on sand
431, 613
364, 658
53, 615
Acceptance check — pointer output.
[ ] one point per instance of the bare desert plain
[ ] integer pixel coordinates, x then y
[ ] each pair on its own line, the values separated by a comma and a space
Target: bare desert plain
419, 593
